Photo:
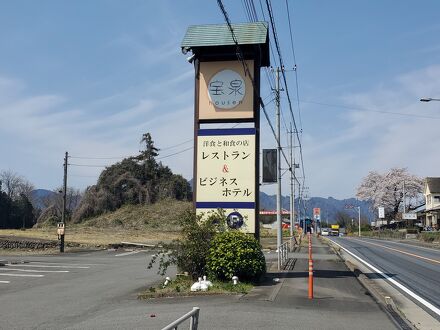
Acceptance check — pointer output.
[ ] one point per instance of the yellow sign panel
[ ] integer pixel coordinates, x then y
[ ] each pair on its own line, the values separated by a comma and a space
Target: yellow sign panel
225, 90
226, 174
335, 226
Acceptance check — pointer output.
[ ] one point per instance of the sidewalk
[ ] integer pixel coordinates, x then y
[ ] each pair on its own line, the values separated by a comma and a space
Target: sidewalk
340, 302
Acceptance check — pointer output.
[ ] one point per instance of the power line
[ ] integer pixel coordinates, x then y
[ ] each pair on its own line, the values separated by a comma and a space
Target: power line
253, 17
241, 59
95, 158
371, 110
262, 105
84, 165
295, 68
272, 21
176, 153
176, 145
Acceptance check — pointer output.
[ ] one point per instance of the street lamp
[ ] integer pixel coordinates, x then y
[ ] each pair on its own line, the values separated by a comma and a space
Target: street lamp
428, 99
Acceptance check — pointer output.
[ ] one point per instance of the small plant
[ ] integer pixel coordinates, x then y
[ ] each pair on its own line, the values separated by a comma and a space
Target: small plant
235, 253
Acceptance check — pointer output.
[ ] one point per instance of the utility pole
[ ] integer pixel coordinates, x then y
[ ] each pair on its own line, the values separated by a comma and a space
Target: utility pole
63, 217
404, 206
359, 211
292, 182
278, 128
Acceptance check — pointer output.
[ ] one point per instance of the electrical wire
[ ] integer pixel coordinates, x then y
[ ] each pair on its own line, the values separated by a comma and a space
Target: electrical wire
371, 110
96, 158
175, 153
272, 22
85, 165
240, 58
295, 68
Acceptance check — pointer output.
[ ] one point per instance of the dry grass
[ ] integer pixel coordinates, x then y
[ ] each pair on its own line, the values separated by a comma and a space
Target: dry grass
148, 224
94, 237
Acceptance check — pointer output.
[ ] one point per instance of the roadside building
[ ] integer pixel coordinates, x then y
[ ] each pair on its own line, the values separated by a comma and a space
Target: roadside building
421, 215
432, 199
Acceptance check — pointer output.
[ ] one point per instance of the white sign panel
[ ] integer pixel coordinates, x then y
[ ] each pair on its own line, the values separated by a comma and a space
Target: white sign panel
226, 89
409, 216
381, 212
226, 175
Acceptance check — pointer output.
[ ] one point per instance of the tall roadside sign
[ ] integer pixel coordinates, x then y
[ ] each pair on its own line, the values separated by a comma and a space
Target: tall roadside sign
227, 61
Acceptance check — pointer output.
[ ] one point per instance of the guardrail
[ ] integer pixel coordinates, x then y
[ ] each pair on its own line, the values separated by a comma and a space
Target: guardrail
193, 323
284, 249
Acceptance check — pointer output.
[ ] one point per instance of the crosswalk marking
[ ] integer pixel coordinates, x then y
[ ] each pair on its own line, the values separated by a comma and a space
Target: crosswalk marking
21, 275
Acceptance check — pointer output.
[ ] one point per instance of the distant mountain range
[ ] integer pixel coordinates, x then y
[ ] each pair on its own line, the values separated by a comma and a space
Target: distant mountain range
39, 195
329, 206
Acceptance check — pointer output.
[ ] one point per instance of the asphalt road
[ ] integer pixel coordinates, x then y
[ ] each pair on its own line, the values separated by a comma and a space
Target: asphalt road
68, 291
413, 270
98, 290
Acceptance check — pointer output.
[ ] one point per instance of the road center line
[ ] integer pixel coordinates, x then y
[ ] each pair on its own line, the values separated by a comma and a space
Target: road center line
5, 282
400, 286
400, 251
22, 275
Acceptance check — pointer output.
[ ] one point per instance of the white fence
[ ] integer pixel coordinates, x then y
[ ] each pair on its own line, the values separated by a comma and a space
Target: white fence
194, 320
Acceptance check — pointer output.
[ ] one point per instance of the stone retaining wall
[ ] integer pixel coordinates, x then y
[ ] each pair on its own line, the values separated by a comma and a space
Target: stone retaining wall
13, 243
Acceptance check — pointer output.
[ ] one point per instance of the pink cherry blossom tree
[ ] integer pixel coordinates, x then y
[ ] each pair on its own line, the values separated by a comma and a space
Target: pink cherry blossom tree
387, 190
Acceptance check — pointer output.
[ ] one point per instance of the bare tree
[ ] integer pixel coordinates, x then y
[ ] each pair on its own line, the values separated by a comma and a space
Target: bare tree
15, 185
387, 190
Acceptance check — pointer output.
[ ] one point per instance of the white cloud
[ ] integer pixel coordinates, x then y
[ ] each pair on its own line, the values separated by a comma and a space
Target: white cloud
379, 141
41, 128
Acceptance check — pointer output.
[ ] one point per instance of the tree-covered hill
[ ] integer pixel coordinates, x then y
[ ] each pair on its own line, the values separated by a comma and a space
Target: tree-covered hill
135, 180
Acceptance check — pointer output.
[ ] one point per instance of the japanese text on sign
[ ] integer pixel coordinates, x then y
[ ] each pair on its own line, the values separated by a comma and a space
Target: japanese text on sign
226, 168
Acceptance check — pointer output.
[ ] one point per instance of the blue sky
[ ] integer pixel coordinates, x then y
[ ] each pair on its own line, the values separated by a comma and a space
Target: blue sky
90, 77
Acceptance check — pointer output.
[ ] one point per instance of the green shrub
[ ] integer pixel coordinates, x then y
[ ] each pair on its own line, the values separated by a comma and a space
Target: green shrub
235, 253
189, 252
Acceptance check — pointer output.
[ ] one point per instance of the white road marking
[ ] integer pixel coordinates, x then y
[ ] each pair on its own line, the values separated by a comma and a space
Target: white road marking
404, 244
127, 253
45, 266
22, 275
400, 286
400, 251
60, 263
5, 282
34, 270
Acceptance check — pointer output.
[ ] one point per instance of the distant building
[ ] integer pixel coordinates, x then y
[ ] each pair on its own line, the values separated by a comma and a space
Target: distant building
432, 199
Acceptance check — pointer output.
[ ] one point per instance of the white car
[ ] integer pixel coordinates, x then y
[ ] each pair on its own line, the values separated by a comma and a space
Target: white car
324, 232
